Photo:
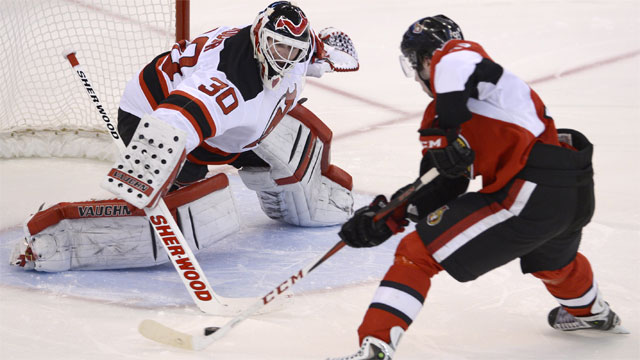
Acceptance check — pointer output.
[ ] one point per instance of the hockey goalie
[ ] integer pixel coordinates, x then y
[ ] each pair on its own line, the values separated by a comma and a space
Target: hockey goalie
229, 96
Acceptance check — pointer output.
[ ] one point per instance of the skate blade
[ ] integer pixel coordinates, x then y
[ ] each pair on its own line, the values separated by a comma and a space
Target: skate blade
619, 330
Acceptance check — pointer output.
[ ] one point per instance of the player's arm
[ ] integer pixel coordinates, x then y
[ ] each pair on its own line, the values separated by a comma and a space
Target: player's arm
458, 76
180, 123
333, 52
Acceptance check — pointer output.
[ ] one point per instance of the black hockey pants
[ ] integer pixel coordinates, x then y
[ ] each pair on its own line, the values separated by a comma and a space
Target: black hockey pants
538, 217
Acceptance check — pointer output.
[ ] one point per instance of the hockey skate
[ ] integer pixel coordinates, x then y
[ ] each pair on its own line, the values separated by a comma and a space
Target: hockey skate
376, 349
605, 320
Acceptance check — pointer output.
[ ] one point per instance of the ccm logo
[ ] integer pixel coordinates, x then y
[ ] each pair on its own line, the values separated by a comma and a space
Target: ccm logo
282, 288
435, 143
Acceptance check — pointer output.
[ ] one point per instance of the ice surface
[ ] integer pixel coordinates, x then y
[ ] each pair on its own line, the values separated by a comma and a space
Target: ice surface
582, 57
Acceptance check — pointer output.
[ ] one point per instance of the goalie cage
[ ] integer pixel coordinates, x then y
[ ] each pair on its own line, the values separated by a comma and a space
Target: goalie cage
43, 111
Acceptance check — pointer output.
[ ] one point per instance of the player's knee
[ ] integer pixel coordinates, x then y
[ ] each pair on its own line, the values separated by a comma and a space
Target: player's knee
579, 265
412, 252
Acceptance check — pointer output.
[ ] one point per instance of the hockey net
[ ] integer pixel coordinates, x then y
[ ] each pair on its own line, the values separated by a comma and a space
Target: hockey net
44, 111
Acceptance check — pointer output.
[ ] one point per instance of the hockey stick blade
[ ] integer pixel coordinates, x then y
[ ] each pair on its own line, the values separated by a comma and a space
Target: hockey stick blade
164, 225
163, 334
155, 331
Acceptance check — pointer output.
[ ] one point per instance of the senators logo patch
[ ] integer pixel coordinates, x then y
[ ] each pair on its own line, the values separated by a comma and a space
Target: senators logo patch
435, 217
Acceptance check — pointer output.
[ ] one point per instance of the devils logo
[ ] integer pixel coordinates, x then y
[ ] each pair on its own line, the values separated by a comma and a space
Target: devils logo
294, 29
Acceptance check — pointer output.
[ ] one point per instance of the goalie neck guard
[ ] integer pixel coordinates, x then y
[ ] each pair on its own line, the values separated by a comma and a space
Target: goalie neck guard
281, 38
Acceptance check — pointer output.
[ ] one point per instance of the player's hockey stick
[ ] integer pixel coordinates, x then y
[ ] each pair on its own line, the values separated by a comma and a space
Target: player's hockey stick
166, 228
155, 331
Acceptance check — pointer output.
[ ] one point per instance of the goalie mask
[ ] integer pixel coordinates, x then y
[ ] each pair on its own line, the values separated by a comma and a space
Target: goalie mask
423, 38
281, 38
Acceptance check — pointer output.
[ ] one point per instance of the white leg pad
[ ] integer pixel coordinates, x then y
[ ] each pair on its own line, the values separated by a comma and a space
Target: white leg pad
128, 241
298, 187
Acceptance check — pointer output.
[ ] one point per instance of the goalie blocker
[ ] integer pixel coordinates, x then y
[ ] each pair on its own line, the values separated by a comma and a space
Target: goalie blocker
299, 187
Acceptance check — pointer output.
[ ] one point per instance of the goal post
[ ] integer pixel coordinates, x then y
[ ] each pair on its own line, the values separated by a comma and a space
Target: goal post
43, 112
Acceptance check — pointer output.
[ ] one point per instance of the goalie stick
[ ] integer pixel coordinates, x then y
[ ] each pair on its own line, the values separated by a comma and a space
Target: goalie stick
167, 229
155, 331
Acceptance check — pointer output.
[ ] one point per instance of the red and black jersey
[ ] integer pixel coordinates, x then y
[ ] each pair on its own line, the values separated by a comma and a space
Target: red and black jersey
498, 114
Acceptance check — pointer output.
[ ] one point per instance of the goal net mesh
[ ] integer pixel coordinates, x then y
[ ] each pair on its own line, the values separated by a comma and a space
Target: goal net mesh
44, 110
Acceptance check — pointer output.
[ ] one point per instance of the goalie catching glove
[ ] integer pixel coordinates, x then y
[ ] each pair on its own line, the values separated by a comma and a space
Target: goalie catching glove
336, 53
149, 164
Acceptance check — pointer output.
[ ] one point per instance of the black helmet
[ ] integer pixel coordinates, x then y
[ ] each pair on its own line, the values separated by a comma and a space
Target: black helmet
280, 23
426, 36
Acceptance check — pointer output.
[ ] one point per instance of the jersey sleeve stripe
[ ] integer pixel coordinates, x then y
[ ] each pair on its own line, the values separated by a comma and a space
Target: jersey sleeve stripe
152, 82
160, 75
187, 115
193, 110
201, 113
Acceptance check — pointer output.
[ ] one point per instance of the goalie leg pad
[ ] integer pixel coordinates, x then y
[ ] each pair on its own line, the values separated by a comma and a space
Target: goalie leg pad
330, 204
88, 236
300, 187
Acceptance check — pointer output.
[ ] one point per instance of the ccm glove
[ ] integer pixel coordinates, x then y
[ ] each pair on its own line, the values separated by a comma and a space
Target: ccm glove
447, 152
362, 231
433, 195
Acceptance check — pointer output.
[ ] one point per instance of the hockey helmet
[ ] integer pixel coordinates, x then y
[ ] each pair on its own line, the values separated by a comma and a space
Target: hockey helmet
281, 38
423, 38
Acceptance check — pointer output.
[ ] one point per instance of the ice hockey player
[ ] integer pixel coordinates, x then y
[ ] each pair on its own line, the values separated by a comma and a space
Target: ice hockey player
229, 96
537, 193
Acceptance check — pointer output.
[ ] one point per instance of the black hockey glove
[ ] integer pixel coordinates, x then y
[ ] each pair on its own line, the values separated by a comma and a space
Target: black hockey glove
361, 231
447, 151
433, 195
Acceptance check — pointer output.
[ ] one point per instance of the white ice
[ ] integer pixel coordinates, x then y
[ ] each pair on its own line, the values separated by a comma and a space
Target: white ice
583, 59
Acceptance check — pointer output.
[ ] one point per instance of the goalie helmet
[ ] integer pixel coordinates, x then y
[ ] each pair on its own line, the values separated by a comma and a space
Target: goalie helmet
281, 38
423, 38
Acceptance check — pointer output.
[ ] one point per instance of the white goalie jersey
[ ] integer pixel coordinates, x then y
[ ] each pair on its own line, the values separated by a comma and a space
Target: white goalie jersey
210, 89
